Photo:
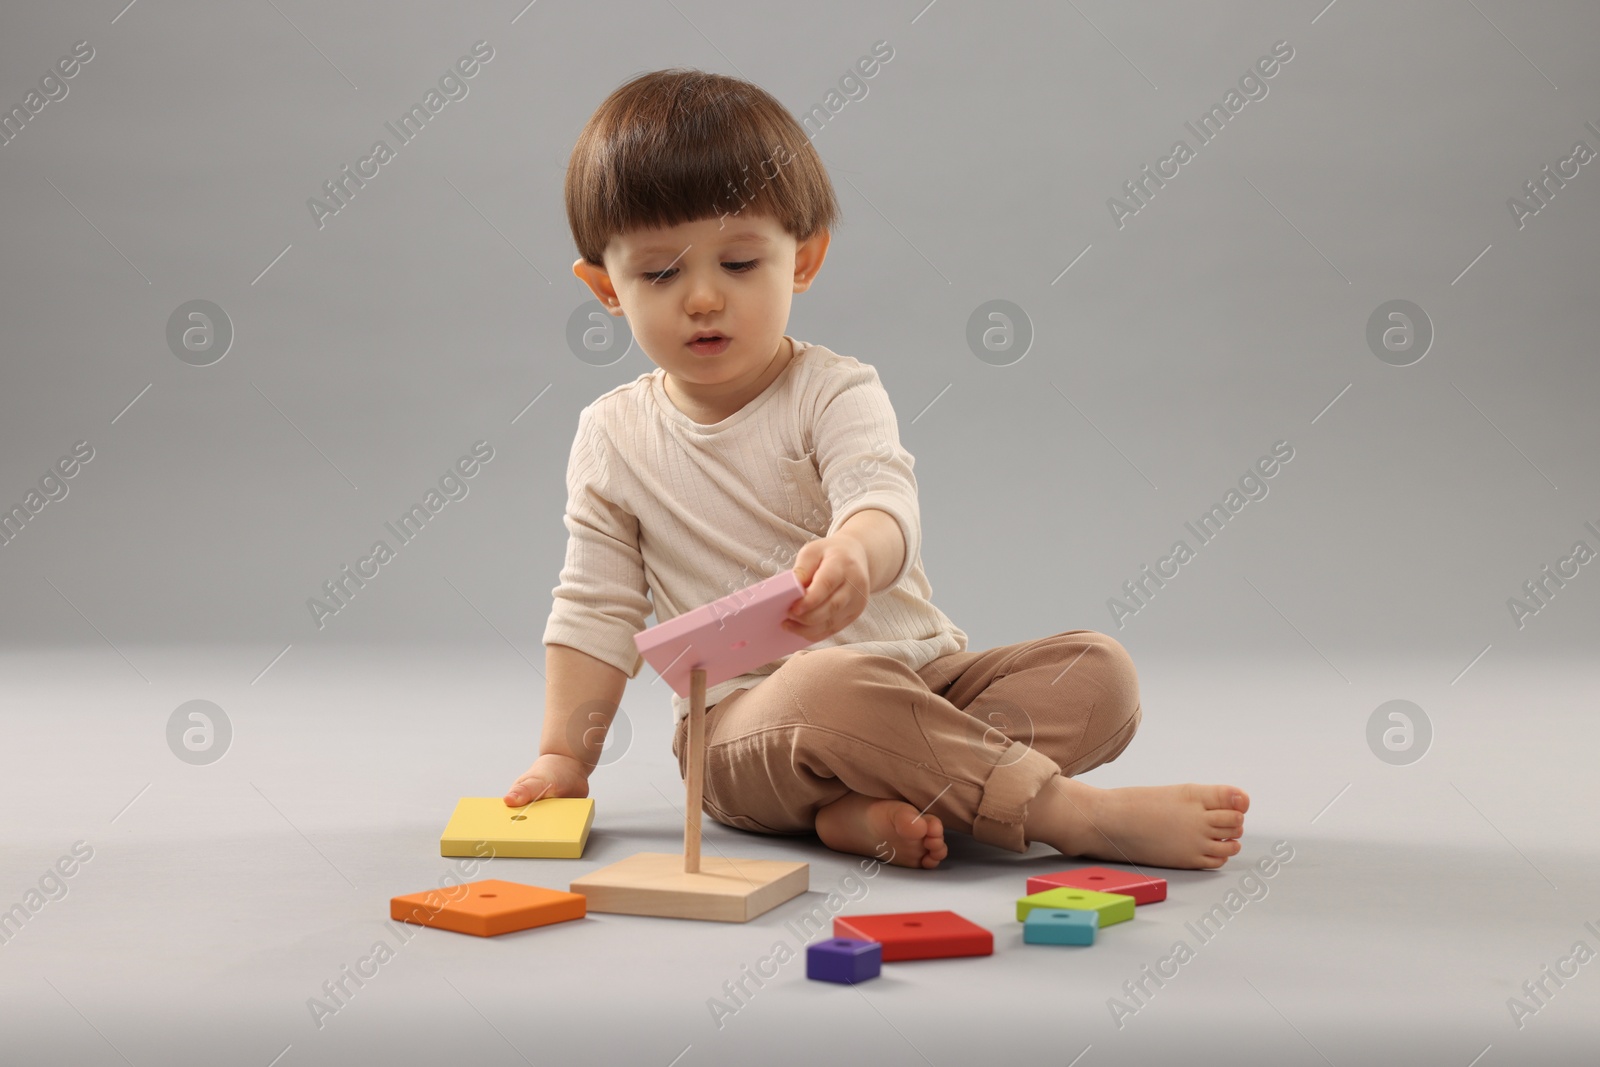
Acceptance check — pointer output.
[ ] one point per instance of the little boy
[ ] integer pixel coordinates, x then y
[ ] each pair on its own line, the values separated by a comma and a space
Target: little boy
699, 208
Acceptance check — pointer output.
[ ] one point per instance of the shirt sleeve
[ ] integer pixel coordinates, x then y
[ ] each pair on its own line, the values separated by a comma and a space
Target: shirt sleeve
860, 458
600, 601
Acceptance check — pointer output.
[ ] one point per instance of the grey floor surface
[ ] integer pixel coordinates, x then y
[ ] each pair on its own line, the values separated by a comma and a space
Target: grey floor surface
217, 900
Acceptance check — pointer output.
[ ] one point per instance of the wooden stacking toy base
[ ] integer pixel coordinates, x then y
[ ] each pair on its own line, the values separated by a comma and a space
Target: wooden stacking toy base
724, 890
691, 886
700, 648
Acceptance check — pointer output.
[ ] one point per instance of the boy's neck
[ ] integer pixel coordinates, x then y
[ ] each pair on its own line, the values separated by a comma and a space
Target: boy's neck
710, 412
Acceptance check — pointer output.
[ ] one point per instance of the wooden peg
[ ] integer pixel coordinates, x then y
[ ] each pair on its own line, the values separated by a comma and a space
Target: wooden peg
696, 777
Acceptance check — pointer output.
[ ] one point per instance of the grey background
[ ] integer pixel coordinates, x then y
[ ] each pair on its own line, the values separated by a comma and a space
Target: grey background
1228, 314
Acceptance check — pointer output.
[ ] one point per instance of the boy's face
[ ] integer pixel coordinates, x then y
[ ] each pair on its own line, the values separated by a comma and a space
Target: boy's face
733, 276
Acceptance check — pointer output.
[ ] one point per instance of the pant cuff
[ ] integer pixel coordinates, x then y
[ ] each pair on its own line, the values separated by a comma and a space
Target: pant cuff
1013, 782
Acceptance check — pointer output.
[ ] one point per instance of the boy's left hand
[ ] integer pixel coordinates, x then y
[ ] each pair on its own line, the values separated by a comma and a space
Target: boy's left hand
833, 571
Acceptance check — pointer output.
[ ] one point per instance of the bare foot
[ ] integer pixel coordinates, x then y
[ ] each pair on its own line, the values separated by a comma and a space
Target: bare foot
888, 830
1187, 826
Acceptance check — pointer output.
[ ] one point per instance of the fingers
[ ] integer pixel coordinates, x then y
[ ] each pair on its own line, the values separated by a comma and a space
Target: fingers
812, 622
817, 594
526, 790
835, 591
840, 605
821, 624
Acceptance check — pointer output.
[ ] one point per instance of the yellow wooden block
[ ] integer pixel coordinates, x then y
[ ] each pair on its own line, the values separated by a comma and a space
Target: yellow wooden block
556, 828
725, 890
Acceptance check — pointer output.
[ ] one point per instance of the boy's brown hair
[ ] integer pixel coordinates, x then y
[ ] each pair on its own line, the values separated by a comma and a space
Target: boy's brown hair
680, 145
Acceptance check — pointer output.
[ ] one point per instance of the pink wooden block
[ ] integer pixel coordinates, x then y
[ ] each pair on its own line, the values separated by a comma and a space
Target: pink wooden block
727, 637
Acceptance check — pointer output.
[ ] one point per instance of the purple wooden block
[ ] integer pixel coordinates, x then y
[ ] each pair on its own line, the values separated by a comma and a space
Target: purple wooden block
844, 959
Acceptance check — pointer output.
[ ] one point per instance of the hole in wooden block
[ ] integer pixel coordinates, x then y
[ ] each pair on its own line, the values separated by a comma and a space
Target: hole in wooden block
487, 896
911, 924
518, 818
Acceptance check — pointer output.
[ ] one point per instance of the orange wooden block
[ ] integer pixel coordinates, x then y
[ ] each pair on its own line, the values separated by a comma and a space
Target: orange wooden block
488, 907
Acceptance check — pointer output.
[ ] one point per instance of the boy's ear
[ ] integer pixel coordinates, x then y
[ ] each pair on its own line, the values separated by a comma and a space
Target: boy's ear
808, 257
599, 283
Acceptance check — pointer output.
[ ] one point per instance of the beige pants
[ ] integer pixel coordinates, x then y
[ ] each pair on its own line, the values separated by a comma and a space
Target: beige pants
971, 737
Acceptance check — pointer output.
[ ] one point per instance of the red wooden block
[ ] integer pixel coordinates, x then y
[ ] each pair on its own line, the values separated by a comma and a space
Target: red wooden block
918, 935
1142, 888
488, 907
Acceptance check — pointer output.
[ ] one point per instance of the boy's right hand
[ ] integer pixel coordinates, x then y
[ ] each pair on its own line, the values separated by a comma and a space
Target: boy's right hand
551, 775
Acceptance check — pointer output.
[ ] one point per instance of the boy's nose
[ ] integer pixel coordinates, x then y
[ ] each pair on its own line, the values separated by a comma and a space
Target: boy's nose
703, 296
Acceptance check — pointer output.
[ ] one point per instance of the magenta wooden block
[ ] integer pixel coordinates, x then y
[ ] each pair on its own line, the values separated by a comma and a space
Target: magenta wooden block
727, 637
847, 960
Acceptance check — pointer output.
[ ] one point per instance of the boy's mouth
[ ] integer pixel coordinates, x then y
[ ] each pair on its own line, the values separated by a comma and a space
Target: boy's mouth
709, 344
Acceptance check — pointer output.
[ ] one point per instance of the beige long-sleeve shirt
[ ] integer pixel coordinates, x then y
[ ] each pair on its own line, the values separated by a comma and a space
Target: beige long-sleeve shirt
659, 504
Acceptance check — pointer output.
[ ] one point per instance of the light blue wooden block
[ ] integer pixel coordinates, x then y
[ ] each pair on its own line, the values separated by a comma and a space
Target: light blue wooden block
1047, 926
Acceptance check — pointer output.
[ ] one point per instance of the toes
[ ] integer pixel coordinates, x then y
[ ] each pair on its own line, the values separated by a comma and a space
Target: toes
1223, 797
1225, 823
1212, 797
908, 824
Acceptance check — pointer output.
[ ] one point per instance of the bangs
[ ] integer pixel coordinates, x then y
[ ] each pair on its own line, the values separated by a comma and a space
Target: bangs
679, 146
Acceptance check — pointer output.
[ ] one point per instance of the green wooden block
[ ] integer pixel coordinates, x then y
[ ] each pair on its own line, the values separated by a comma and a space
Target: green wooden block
1111, 907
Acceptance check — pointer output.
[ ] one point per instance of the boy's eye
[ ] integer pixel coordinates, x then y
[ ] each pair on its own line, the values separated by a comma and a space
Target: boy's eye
663, 275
